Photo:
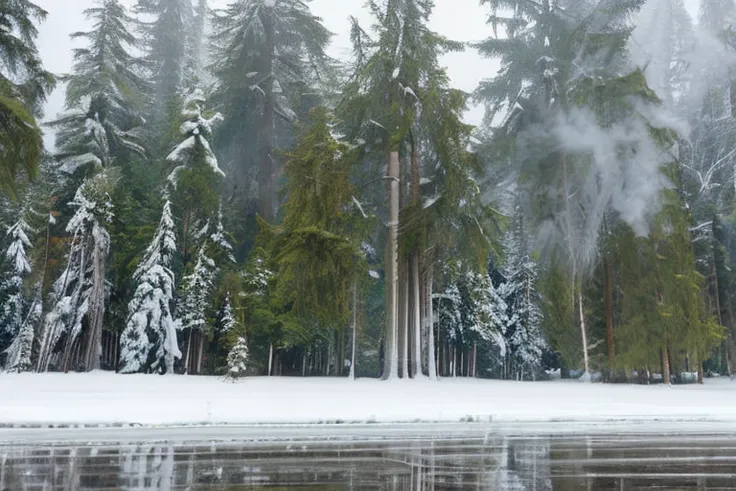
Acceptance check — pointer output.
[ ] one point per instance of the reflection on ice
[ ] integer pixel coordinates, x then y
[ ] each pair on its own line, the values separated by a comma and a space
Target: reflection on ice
500, 462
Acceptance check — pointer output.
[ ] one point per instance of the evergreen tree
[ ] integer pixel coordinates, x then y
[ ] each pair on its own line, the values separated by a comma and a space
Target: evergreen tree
400, 100
196, 175
579, 127
317, 248
268, 55
226, 317
24, 85
488, 318
149, 341
103, 94
20, 351
193, 310
524, 339
167, 41
237, 359
17, 267
78, 297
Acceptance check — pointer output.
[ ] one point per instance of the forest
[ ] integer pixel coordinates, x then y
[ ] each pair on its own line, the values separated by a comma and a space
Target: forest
225, 198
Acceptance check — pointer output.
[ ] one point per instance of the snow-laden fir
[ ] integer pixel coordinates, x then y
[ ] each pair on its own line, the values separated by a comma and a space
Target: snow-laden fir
149, 341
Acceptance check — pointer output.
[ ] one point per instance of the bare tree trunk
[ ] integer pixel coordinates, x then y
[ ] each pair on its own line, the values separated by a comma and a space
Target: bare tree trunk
391, 352
475, 359
404, 322
270, 358
583, 333
666, 366
355, 331
200, 352
608, 286
432, 366
417, 360
189, 351
573, 260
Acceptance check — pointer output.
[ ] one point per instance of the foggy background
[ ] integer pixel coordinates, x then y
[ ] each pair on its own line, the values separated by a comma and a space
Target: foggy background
460, 20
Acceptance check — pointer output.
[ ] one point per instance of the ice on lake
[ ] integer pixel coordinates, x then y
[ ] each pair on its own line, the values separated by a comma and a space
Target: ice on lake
498, 461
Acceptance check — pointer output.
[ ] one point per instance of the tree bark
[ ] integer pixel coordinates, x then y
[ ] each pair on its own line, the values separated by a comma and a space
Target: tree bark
200, 352
391, 353
432, 362
417, 359
608, 286
355, 332
189, 352
403, 334
475, 359
93, 345
666, 366
583, 333
270, 358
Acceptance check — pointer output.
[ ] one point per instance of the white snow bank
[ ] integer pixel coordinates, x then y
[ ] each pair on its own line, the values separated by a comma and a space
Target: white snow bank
106, 398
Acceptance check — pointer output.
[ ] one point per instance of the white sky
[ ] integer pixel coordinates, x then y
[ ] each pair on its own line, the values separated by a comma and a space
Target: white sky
461, 20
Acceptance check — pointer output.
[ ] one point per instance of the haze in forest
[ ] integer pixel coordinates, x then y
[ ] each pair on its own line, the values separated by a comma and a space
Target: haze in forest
462, 20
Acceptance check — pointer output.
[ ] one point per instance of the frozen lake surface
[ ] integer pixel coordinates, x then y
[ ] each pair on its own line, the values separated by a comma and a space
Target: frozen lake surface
400, 458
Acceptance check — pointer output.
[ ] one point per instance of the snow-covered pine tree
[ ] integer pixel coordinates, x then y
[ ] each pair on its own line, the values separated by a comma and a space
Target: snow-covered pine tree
149, 341
195, 303
17, 266
226, 317
488, 318
78, 296
471, 311
222, 249
20, 351
196, 131
524, 339
103, 94
237, 359
195, 175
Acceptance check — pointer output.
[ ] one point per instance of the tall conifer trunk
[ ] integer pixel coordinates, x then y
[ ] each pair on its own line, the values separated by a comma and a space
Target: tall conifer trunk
583, 333
403, 334
355, 331
416, 320
608, 287
415, 259
392, 288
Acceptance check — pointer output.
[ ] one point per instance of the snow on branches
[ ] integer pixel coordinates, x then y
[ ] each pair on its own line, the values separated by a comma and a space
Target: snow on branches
149, 340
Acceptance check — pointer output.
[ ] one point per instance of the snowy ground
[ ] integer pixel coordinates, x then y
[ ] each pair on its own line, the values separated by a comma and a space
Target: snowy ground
102, 398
